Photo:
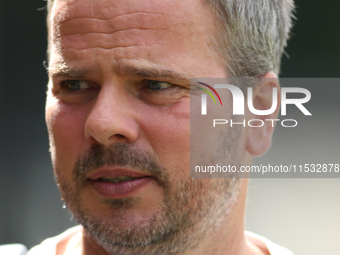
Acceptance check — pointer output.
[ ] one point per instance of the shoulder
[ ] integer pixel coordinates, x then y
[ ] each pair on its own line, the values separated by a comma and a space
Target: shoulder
273, 248
49, 246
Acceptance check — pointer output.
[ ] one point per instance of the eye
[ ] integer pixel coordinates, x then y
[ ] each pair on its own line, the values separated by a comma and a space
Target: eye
157, 85
75, 92
75, 85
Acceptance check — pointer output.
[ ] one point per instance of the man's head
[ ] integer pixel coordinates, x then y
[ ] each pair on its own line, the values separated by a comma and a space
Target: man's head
118, 115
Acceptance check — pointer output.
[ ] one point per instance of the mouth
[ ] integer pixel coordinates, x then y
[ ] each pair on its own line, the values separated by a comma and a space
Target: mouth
118, 179
118, 183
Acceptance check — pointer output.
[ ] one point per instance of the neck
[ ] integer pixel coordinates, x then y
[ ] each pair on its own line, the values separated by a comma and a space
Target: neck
229, 237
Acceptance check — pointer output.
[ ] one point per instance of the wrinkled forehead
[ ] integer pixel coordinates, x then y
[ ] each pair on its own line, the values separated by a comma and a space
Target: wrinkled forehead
188, 15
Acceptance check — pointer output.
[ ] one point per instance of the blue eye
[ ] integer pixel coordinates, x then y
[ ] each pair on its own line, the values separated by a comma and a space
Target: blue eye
157, 85
75, 85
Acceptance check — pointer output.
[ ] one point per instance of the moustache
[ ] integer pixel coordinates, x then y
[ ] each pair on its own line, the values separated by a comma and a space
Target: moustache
122, 155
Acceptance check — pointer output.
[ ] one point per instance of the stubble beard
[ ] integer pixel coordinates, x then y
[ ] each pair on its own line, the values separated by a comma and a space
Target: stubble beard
191, 209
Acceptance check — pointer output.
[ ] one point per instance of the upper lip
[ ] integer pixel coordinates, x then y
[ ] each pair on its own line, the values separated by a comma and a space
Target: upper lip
114, 172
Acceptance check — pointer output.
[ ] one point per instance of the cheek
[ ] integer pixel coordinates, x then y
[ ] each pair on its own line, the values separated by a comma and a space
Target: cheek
66, 132
167, 131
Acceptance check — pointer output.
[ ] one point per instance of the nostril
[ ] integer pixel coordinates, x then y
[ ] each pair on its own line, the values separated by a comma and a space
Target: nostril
119, 138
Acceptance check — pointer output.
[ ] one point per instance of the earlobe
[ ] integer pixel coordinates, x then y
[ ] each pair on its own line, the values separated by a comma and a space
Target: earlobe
261, 127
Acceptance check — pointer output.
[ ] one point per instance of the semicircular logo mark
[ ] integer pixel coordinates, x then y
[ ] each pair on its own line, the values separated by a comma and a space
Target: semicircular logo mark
209, 92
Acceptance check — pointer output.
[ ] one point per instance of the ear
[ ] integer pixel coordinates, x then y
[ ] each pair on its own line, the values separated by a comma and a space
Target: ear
259, 138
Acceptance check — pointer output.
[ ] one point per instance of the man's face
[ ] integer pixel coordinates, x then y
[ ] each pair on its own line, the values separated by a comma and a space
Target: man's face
118, 115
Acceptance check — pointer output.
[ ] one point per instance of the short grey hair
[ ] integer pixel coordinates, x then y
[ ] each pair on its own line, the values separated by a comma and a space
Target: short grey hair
252, 34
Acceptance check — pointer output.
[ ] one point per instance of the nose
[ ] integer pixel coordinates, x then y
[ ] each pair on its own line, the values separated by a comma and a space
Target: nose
112, 118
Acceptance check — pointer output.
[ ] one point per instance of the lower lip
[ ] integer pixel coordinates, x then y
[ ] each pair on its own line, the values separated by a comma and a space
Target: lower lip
122, 189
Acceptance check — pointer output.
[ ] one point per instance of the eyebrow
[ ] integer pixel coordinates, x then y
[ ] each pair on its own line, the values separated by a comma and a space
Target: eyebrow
65, 71
143, 72
151, 72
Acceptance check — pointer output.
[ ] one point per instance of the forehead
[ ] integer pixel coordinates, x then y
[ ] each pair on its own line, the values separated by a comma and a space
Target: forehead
106, 9
130, 28
109, 16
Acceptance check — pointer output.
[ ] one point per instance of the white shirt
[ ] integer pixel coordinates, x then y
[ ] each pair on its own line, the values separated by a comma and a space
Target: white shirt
273, 248
48, 247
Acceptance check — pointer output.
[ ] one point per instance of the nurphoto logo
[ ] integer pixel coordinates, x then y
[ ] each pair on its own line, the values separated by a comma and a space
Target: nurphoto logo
239, 103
